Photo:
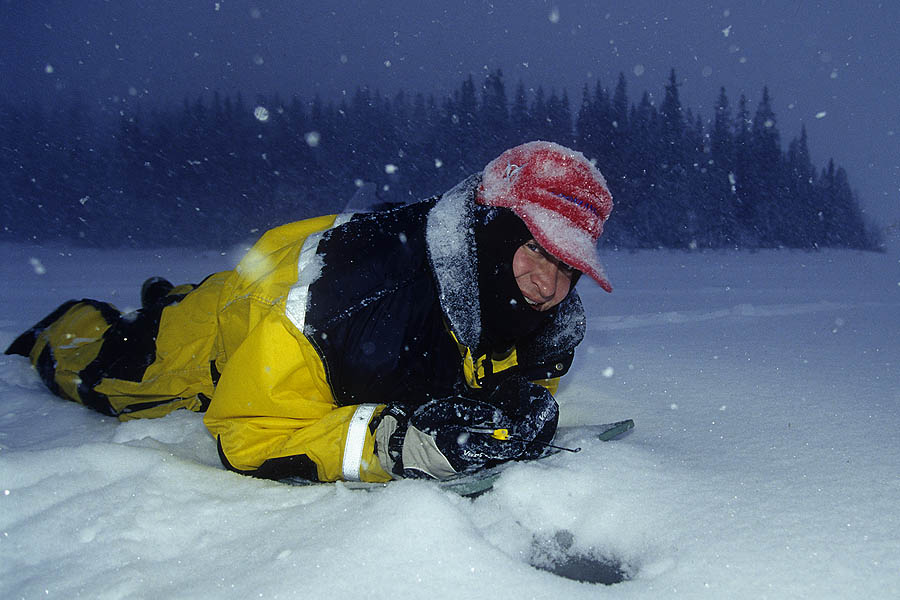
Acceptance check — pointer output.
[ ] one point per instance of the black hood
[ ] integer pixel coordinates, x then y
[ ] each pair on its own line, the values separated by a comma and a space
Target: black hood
505, 315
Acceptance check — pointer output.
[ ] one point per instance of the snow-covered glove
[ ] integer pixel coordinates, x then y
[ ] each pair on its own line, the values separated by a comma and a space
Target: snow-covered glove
453, 435
533, 410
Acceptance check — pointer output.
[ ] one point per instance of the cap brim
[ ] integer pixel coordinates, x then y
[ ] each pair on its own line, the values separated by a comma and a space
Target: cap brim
564, 240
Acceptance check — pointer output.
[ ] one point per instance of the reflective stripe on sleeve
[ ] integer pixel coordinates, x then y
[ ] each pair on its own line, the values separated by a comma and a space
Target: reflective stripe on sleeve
298, 296
356, 440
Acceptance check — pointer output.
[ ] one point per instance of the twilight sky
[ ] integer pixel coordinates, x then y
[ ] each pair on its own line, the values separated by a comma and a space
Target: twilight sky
830, 64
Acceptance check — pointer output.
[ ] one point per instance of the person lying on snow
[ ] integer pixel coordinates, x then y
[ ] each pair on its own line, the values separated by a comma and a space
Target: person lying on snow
364, 347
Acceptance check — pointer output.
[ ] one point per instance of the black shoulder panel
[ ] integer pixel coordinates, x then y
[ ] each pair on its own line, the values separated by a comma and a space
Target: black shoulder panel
374, 315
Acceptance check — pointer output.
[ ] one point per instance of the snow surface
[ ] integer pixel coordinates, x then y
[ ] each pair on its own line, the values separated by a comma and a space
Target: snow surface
765, 462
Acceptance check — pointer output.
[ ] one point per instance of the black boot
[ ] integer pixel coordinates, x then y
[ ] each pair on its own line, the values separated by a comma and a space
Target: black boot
23, 344
154, 289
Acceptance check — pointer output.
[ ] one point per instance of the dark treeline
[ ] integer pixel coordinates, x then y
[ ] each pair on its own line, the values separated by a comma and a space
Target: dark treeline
218, 170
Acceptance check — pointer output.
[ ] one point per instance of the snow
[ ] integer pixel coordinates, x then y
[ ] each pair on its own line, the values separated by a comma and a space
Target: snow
765, 388
449, 236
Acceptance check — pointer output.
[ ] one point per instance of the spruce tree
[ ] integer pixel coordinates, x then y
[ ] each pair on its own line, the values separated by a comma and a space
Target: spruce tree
721, 175
520, 118
747, 235
770, 212
586, 125
801, 176
494, 116
674, 219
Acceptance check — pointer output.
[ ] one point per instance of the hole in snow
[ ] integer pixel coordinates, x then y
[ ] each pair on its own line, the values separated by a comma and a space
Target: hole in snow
556, 555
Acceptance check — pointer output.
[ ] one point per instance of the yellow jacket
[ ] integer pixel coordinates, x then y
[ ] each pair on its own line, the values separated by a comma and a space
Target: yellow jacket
273, 412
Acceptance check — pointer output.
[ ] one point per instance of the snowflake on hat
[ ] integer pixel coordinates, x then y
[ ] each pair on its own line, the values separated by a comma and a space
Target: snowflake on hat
562, 198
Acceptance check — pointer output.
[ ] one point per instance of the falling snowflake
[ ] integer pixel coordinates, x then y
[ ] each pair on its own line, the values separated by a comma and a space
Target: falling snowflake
312, 139
37, 266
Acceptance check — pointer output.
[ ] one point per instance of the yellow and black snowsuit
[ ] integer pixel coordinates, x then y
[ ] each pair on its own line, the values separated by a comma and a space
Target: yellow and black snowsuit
294, 352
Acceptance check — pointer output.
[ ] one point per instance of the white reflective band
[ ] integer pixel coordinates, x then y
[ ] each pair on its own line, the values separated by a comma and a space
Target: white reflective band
298, 296
356, 441
295, 307
342, 218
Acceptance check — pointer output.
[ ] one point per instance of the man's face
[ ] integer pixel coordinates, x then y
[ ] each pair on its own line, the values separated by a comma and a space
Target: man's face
542, 278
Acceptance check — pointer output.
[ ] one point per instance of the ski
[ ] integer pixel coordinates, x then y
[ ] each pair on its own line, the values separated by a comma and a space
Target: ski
471, 485
610, 431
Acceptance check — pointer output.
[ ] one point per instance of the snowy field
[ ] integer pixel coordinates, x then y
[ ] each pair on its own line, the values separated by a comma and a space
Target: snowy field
765, 462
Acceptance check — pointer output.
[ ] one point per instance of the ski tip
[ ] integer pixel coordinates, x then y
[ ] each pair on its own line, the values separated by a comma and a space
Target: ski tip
470, 485
616, 429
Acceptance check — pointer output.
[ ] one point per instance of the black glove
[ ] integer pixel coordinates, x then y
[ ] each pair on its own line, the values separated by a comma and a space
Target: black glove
456, 434
532, 409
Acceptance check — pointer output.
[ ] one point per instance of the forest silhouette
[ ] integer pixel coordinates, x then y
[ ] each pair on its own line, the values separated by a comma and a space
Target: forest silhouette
219, 170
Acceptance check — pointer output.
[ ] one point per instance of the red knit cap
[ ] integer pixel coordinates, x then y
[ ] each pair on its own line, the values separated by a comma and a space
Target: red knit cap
561, 197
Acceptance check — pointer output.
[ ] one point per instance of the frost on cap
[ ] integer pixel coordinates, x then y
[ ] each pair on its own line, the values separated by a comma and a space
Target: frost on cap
561, 197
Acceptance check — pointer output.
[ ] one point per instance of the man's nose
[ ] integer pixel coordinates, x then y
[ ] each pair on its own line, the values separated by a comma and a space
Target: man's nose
545, 278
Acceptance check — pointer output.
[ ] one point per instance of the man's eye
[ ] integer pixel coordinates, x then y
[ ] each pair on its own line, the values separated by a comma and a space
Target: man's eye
534, 247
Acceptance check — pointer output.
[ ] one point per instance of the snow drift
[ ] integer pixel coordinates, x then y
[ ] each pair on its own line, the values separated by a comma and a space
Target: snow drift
766, 392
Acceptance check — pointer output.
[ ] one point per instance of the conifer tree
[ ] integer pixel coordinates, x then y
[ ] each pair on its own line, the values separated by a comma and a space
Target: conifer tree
520, 117
559, 120
603, 120
801, 176
768, 209
639, 209
540, 117
721, 175
674, 221
586, 125
747, 236
619, 138
494, 116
